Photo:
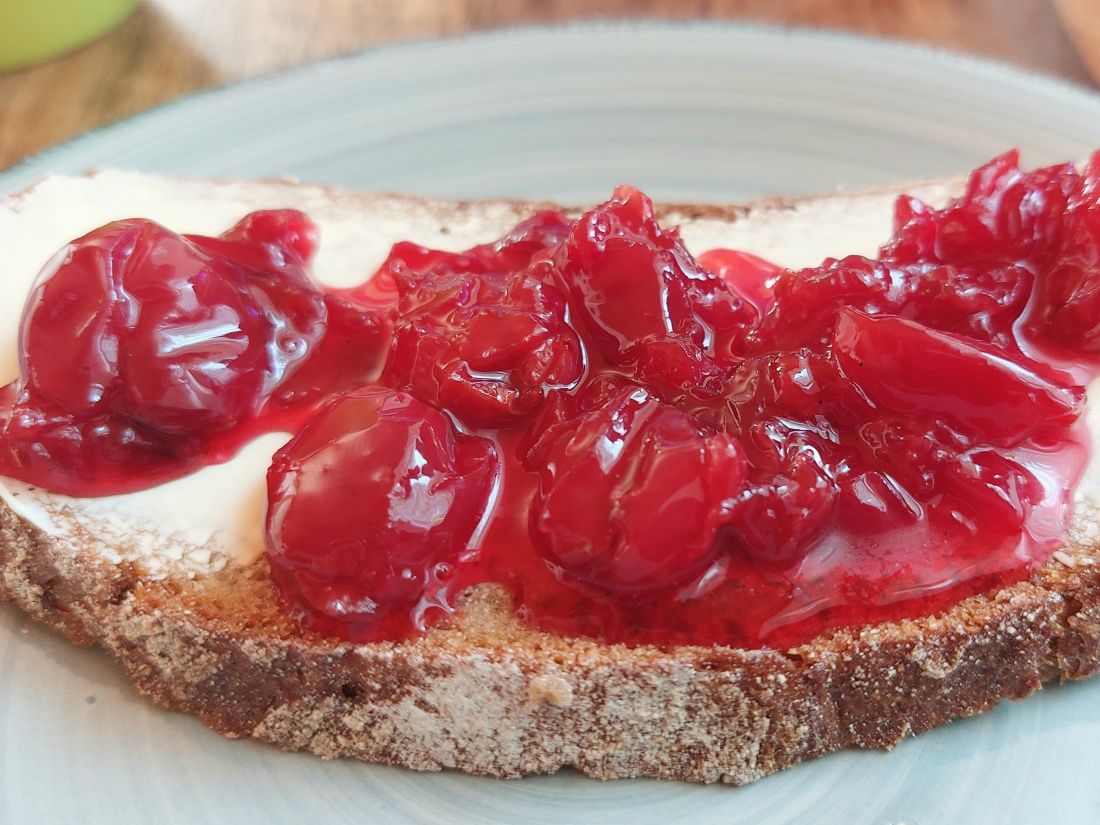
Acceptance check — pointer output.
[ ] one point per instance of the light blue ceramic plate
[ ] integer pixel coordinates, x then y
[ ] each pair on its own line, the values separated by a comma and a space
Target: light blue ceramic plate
700, 112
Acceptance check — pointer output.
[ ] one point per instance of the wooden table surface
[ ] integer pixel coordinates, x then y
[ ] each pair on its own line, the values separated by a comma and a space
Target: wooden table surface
168, 48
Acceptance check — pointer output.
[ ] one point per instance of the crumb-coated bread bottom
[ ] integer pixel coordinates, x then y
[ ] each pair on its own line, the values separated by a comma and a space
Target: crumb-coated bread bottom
489, 696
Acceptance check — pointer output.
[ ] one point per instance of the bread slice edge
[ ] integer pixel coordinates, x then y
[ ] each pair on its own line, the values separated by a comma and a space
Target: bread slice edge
488, 695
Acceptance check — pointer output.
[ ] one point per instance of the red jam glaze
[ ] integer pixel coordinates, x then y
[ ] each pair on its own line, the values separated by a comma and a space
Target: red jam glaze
477, 335
375, 545
646, 447
727, 452
146, 354
632, 494
647, 308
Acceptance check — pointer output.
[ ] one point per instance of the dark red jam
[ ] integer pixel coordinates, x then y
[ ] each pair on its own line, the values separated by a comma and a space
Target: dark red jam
640, 445
146, 355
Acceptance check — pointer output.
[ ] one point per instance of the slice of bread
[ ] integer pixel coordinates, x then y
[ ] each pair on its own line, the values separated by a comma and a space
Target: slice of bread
172, 582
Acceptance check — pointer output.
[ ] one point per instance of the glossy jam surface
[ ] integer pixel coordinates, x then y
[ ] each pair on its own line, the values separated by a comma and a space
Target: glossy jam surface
376, 544
146, 354
640, 445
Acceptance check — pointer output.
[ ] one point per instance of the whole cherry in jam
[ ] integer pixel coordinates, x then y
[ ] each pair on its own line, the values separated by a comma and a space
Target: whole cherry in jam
373, 505
633, 493
139, 346
908, 368
649, 308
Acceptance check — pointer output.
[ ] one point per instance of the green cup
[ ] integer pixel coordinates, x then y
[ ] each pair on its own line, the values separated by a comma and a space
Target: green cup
33, 30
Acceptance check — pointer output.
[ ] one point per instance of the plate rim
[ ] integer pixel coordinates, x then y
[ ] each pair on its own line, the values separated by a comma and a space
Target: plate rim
28, 170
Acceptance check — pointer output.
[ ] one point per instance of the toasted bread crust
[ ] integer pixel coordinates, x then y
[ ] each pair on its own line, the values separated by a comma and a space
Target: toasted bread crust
488, 695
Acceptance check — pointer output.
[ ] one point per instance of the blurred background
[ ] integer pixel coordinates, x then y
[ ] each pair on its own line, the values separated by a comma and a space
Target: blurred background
168, 48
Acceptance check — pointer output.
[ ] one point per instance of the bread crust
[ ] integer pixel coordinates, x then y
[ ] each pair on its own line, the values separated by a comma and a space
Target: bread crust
490, 696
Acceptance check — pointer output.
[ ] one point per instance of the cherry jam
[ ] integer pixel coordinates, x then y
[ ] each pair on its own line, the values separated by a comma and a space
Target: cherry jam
641, 445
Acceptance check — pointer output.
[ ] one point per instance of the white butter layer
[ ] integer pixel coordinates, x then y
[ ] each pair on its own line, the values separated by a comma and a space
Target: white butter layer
202, 521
